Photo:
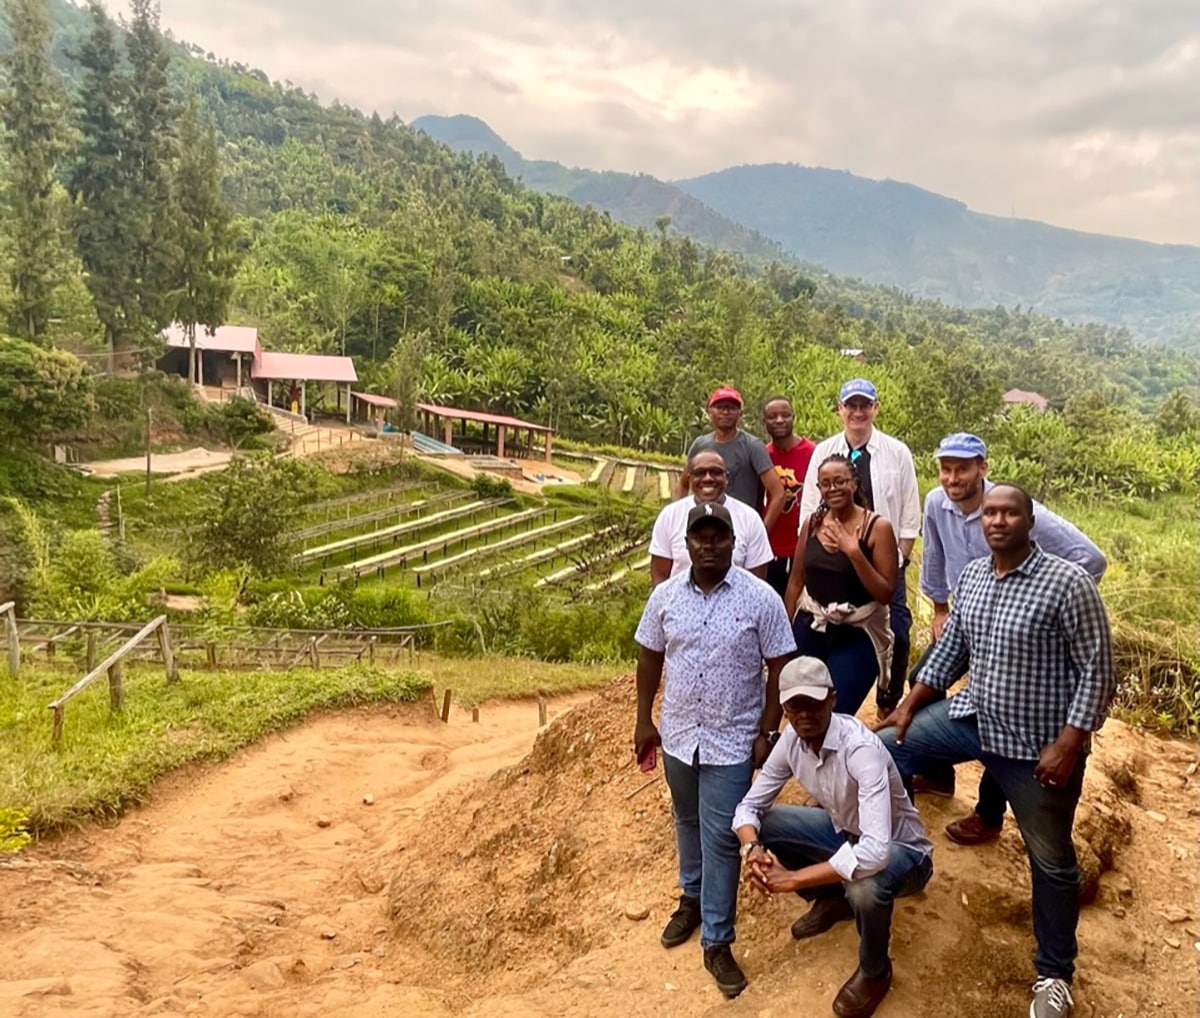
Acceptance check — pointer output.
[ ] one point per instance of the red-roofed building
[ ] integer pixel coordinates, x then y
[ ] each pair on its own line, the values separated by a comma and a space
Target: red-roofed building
1015, 397
435, 416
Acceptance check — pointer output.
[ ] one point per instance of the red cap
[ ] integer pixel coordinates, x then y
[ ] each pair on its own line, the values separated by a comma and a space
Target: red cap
725, 392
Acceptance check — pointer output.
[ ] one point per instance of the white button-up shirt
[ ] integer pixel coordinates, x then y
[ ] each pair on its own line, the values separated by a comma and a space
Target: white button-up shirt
893, 481
855, 781
751, 545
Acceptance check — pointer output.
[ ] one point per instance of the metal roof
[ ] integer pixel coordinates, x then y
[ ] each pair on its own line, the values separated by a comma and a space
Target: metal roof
454, 413
307, 367
375, 400
226, 338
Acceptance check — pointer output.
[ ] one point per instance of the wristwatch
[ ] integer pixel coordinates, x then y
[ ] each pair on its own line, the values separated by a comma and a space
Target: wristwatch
749, 847
771, 737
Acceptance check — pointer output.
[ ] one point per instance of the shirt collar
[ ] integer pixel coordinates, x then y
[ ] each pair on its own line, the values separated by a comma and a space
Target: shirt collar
872, 443
726, 581
1031, 564
950, 506
832, 743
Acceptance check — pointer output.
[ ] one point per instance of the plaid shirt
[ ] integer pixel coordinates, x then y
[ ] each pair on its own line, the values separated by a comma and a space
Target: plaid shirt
1037, 644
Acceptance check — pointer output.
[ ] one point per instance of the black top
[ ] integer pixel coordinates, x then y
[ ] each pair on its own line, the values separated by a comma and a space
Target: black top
860, 463
829, 576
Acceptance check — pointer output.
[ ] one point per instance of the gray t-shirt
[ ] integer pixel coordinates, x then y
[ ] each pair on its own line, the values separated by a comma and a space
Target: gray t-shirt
745, 459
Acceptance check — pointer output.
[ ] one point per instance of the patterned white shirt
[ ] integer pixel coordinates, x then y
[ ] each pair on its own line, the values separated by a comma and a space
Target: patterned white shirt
751, 545
855, 781
893, 481
1038, 648
715, 645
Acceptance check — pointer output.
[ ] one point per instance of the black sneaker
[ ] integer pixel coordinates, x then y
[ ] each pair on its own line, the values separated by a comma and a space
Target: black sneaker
684, 921
718, 959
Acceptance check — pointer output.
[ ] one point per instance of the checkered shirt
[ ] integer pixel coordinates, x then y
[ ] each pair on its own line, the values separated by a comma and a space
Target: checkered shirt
1038, 648
714, 646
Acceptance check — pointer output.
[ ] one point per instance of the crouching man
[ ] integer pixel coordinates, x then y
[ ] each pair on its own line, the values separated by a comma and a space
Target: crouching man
854, 853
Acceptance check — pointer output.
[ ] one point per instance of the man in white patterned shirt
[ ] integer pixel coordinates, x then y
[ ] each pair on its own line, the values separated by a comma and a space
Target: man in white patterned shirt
712, 626
861, 847
1031, 631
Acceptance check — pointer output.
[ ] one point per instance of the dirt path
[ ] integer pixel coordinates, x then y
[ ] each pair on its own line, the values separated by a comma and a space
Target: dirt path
493, 882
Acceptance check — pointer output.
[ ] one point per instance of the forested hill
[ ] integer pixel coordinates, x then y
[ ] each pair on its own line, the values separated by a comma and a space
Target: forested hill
449, 281
634, 198
888, 233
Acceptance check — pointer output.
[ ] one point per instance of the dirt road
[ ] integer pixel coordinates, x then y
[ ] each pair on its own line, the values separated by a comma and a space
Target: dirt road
486, 880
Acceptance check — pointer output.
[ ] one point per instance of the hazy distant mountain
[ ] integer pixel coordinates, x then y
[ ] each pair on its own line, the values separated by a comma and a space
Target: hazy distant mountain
900, 235
889, 233
631, 198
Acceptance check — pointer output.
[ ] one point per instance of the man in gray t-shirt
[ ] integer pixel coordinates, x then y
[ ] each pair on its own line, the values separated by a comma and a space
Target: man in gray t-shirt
747, 463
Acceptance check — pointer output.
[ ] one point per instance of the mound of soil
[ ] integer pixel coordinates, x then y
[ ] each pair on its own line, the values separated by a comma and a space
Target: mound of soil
549, 869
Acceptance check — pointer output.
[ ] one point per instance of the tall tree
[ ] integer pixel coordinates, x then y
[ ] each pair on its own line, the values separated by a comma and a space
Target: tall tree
152, 149
32, 108
206, 238
101, 183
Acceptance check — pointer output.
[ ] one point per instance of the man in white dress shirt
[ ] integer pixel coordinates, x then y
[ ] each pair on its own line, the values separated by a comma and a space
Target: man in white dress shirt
888, 482
861, 847
668, 541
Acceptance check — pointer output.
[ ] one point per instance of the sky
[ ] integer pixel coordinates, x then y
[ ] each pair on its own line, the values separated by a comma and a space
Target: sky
1081, 113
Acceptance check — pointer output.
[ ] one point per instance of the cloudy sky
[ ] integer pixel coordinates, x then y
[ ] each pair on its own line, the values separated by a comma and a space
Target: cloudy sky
1082, 113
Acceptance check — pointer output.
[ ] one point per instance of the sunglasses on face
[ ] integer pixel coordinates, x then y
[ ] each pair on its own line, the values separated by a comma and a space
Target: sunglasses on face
708, 472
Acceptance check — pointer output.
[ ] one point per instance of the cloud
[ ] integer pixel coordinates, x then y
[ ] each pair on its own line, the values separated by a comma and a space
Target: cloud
1084, 113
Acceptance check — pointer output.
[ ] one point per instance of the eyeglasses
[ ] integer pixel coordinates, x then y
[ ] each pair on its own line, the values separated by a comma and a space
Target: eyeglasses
835, 484
708, 471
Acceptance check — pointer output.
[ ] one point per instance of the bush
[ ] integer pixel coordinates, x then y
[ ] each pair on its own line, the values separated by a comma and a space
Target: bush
487, 486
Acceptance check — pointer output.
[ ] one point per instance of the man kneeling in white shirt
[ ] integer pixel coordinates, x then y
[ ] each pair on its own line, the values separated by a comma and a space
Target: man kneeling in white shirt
851, 855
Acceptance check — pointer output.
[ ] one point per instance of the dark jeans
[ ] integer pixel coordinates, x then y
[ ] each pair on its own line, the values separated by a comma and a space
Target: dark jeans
847, 653
901, 628
991, 805
703, 798
1044, 816
804, 835
779, 571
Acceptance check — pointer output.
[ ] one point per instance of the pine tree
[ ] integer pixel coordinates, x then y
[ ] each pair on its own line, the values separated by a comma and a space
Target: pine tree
101, 184
32, 111
152, 151
206, 239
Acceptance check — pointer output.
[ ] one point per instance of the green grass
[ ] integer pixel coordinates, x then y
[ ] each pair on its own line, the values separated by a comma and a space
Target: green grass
477, 679
108, 761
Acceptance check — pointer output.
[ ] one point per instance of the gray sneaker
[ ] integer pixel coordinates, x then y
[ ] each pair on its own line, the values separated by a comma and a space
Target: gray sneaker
1051, 999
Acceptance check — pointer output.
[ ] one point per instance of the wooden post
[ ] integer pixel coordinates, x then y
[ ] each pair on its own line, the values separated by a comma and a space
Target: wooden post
116, 686
371, 649
314, 656
56, 730
446, 707
168, 655
14, 639
149, 420
210, 653
475, 714
541, 712
89, 659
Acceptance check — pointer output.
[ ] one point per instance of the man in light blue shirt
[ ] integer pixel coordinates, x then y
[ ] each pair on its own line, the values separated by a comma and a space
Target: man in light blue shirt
952, 537
861, 847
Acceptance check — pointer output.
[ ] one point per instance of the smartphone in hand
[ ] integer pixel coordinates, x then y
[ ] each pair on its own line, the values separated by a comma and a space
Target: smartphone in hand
648, 759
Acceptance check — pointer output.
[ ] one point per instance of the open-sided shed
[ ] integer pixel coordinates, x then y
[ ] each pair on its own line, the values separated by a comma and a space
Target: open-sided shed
495, 430
299, 369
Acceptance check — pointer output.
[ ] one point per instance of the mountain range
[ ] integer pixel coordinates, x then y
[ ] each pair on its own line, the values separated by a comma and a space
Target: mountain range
885, 232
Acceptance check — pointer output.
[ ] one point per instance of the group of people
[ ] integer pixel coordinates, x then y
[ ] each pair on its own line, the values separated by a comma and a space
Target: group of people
779, 602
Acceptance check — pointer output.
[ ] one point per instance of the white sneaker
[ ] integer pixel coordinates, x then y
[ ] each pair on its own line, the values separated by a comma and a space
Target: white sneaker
1051, 999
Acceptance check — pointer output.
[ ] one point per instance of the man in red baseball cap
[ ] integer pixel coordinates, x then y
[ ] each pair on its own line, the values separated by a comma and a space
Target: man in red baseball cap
748, 467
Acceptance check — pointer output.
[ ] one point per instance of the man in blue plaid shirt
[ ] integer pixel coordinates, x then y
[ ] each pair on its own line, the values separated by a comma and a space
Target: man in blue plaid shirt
1031, 630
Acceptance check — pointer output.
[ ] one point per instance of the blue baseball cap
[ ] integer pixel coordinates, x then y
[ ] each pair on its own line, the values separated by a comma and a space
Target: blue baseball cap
961, 445
857, 387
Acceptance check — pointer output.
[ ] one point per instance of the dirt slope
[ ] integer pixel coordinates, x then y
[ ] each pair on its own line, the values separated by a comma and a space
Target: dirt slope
489, 879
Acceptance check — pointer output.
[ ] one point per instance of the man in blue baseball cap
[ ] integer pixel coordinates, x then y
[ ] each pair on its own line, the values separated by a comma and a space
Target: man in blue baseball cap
888, 483
953, 536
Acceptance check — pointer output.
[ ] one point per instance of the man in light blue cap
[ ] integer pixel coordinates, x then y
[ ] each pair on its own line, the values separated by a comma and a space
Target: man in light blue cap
953, 536
888, 483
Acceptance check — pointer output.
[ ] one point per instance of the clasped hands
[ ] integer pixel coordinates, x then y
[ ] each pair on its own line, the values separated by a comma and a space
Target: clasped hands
767, 875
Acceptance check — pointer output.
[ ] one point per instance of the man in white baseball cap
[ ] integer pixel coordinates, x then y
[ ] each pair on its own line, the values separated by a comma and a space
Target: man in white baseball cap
861, 847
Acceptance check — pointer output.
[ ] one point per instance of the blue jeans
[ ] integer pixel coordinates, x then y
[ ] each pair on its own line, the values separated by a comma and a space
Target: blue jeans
1044, 816
803, 835
901, 621
847, 653
703, 798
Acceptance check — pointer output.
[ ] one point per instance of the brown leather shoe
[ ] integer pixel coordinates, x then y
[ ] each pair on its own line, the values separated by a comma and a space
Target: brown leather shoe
972, 830
859, 995
825, 912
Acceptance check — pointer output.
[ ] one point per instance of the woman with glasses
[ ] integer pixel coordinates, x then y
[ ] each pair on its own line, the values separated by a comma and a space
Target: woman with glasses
841, 584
